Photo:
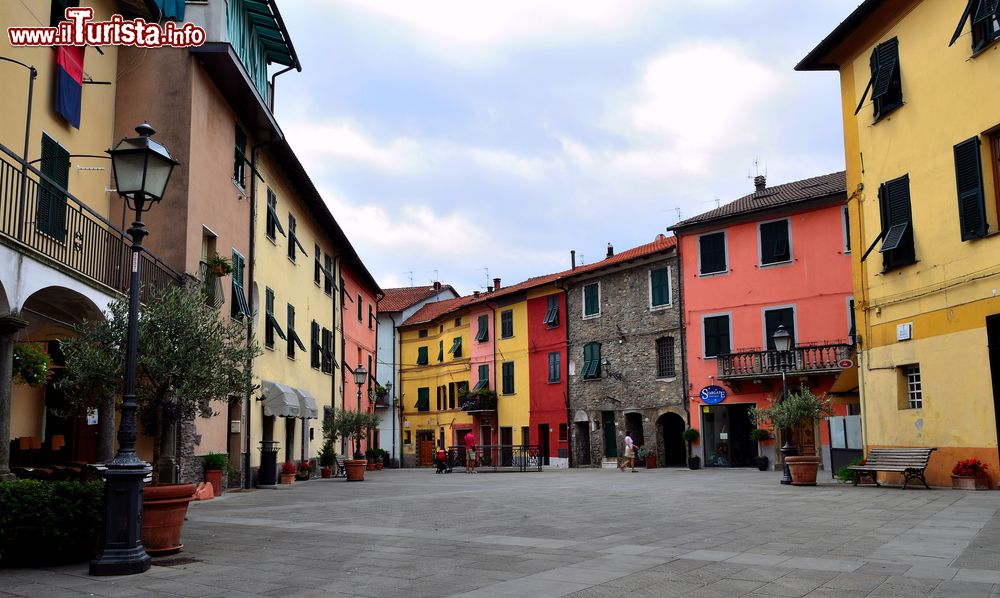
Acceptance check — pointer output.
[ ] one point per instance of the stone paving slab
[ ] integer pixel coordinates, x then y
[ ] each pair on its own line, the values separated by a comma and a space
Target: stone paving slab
708, 533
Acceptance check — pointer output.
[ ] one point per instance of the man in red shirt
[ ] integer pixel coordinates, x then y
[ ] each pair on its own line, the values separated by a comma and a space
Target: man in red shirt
470, 453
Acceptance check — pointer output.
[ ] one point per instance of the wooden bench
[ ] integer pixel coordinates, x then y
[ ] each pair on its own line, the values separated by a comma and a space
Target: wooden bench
911, 462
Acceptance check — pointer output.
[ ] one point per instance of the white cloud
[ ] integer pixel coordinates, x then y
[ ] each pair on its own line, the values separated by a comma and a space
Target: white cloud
342, 141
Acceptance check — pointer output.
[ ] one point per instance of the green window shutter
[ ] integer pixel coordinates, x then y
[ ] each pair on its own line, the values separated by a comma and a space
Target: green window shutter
508, 377
886, 59
440, 351
422, 356
424, 399
51, 210
969, 180
315, 348
483, 334
240, 306
456, 347
591, 300
660, 280
239, 159
894, 202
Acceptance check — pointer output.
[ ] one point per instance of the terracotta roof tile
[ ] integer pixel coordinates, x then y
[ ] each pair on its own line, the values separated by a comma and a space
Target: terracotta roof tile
399, 299
436, 309
773, 197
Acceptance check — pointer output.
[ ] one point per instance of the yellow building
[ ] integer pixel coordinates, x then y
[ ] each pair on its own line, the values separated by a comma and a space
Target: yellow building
922, 142
434, 350
512, 387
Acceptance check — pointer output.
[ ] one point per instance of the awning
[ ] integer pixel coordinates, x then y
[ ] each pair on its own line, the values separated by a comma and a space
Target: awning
308, 408
846, 384
280, 400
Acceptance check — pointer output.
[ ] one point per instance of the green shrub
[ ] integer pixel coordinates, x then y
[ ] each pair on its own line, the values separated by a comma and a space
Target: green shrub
49, 523
216, 461
848, 476
760, 435
690, 435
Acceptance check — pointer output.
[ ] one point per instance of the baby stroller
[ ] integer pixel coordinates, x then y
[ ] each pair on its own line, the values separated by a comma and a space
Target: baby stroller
442, 462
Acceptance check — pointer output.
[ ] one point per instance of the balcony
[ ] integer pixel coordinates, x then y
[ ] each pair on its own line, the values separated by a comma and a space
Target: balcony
799, 361
70, 234
479, 401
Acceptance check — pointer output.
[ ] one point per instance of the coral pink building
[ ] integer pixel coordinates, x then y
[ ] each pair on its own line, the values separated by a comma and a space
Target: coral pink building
776, 257
359, 318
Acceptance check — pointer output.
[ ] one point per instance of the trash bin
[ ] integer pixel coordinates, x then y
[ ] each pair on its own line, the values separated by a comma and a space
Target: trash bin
267, 474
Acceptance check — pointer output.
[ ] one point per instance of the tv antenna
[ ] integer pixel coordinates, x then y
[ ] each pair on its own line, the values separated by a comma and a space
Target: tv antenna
410, 274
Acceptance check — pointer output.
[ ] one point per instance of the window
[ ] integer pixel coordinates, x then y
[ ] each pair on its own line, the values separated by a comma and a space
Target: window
51, 216
985, 15
293, 240
317, 265
343, 294
885, 82
423, 399
371, 317
506, 323
422, 333
483, 334
716, 330
774, 243
563, 432
969, 181
897, 226
422, 356
458, 322
58, 10
852, 324
592, 299
328, 285
439, 398
555, 367
456, 347
240, 307
914, 388
451, 395
273, 226
659, 287
591, 361
440, 351
665, 358
240, 158
271, 323
784, 316
712, 253
552, 312
329, 363
483, 378
847, 230
507, 372
360, 317
293, 338
315, 346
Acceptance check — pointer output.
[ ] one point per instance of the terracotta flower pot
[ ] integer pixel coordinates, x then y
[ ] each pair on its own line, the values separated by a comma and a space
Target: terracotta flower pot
803, 469
214, 477
371, 466
966, 483
286, 478
326, 472
378, 466
355, 470
650, 461
163, 511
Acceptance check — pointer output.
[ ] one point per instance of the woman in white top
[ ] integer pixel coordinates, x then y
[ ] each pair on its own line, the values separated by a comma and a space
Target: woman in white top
629, 454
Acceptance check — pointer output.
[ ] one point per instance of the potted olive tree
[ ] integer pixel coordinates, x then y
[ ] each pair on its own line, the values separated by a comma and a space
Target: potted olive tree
188, 357
800, 409
353, 426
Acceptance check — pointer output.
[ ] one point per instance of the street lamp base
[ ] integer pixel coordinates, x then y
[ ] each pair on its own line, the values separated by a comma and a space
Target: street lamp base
788, 450
122, 552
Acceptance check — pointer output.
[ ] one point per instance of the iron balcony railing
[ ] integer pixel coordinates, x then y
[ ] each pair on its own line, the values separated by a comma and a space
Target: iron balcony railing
805, 359
475, 402
70, 233
500, 457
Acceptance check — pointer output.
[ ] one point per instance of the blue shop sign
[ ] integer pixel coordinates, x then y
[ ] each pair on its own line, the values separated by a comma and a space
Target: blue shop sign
713, 395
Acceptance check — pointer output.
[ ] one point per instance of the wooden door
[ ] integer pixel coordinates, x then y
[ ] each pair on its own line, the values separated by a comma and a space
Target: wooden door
425, 449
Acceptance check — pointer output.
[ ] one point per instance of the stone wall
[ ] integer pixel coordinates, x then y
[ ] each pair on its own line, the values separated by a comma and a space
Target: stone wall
627, 329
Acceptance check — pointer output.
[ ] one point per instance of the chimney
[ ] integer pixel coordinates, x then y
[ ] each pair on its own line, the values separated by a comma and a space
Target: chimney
475, 294
611, 250
572, 259
496, 284
437, 285
759, 182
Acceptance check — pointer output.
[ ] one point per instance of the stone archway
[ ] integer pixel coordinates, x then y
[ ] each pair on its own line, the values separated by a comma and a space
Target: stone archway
669, 429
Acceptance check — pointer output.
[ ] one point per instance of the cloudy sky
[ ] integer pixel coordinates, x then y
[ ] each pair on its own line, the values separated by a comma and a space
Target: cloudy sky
452, 136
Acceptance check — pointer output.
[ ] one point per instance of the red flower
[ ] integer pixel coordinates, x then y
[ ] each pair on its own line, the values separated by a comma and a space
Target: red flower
970, 468
287, 468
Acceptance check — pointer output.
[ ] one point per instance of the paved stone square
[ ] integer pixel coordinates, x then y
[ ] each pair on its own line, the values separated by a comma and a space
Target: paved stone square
581, 533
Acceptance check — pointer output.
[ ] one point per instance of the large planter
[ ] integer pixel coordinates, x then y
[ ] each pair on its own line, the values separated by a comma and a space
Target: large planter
163, 511
965, 483
355, 470
803, 469
762, 463
650, 461
214, 477
694, 462
286, 478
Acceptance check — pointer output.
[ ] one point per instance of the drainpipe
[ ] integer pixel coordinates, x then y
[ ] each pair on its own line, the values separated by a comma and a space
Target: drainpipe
496, 375
338, 314
681, 324
392, 398
569, 409
248, 288
272, 90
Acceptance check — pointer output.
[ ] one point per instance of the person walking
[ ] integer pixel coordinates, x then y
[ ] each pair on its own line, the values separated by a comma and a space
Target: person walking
629, 460
470, 453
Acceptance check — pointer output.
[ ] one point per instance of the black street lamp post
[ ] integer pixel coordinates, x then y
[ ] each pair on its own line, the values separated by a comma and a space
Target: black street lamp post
141, 169
783, 344
360, 377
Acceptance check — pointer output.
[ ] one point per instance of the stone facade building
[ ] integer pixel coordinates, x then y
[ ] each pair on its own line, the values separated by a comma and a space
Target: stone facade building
625, 350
